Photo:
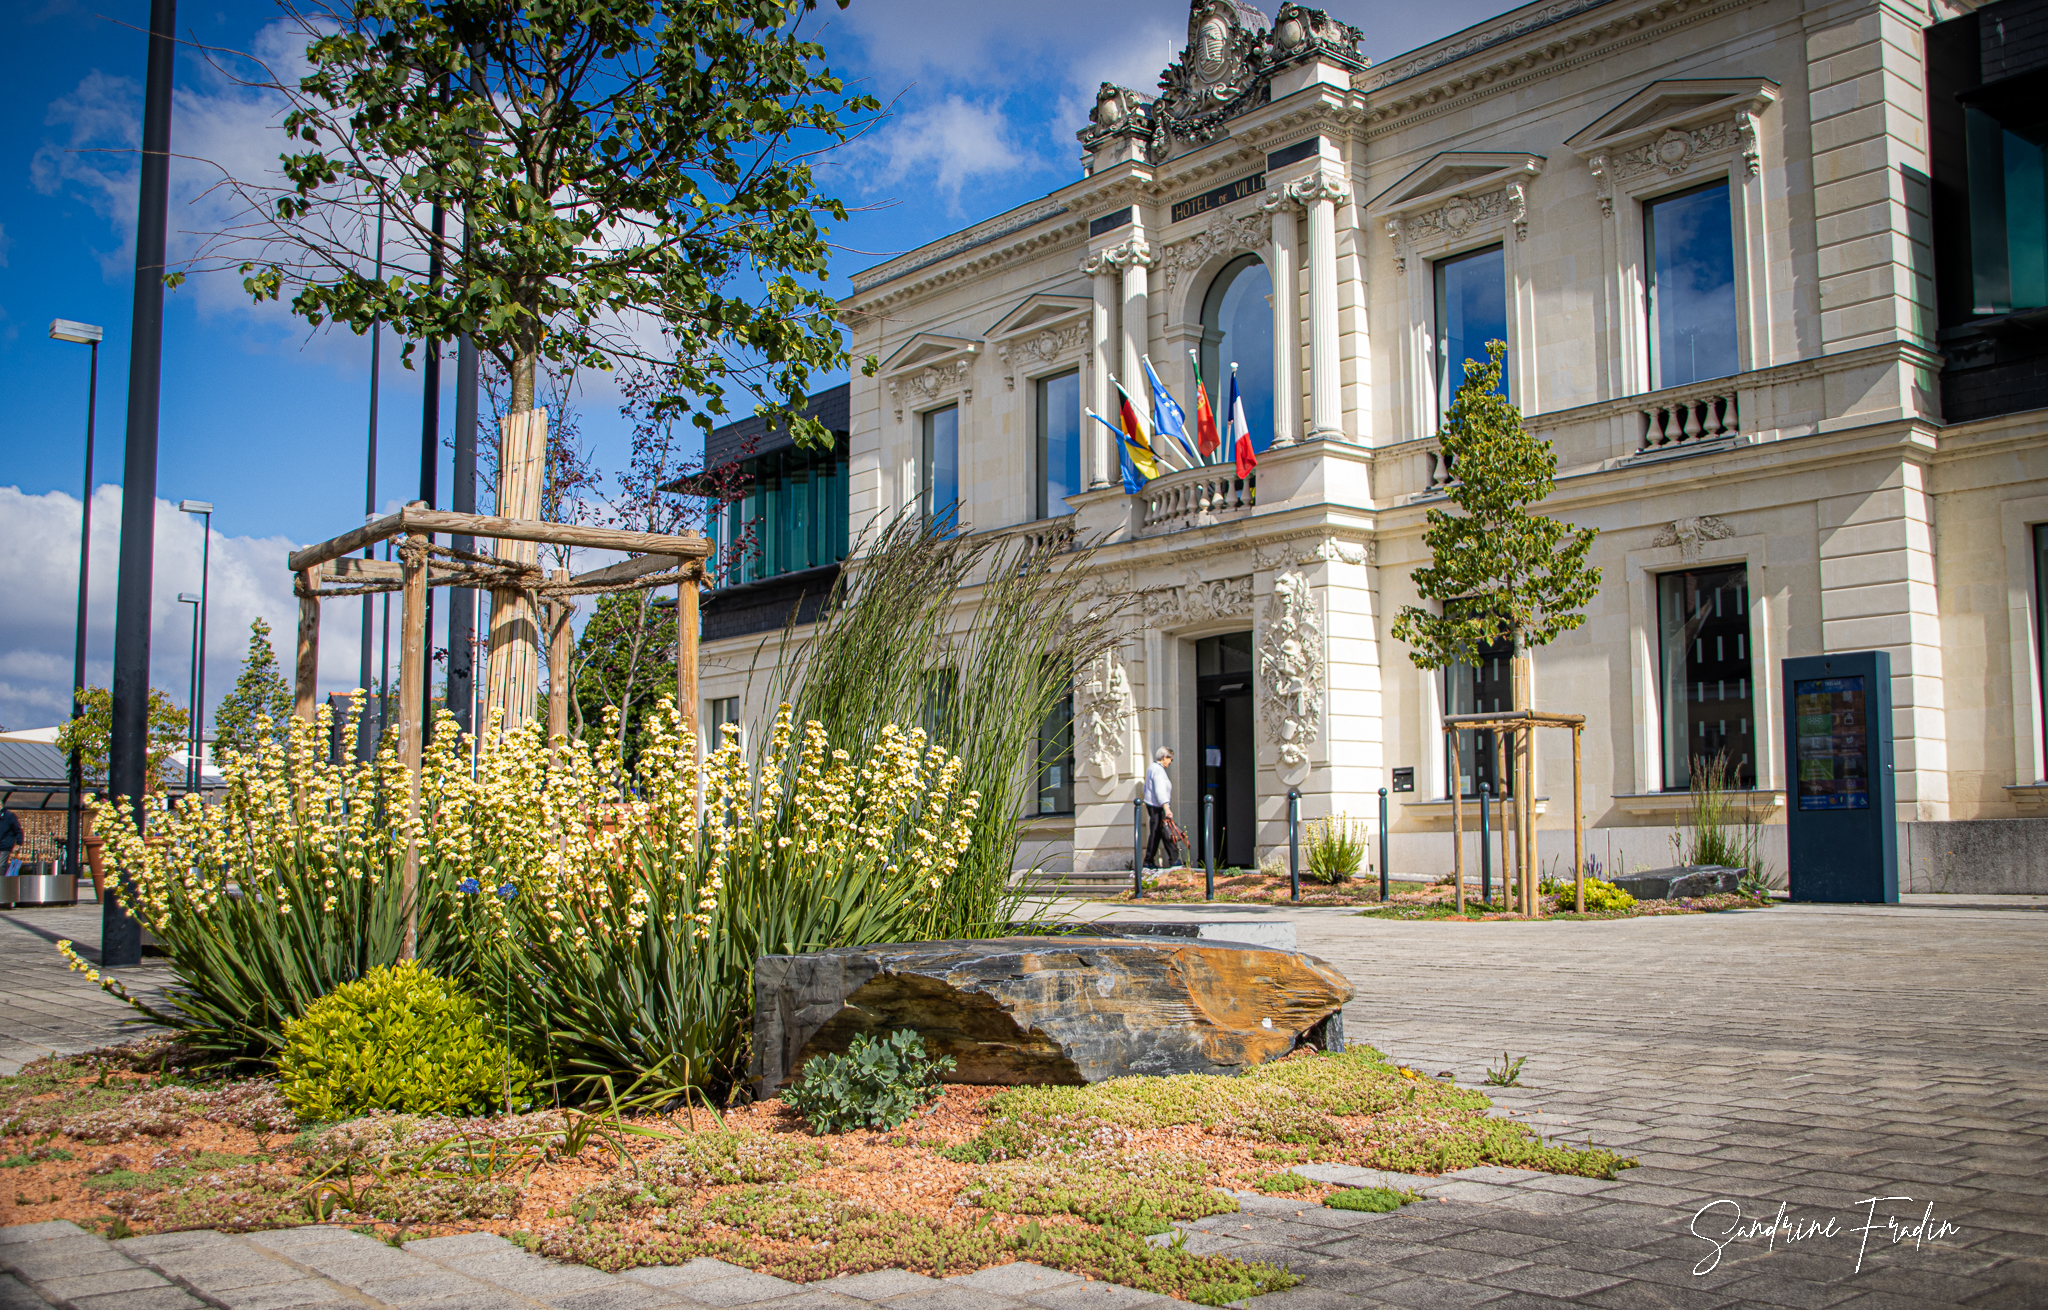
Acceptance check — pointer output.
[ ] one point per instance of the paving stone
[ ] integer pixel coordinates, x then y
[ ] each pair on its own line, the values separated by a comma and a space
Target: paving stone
481, 1299
20, 1234
1100, 1296
1019, 1279
1493, 1173
624, 1296
14, 1296
953, 1296
133, 1278
1460, 1264
877, 1285
441, 1248
155, 1244
284, 1296
145, 1298
64, 1258
741, 1288
1427, 1292
701, 1270
298, 1239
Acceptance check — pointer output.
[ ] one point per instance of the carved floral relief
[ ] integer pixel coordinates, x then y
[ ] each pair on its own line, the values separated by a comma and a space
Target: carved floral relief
1292, 675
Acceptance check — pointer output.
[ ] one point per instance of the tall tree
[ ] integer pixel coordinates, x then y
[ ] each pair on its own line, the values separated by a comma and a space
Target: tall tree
625, 659
1497, 570
92, 731
260, 689
621, 165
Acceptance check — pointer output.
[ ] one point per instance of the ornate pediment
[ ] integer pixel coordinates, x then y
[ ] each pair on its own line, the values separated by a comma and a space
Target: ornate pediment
1668, 127
1451, 174
1226, 70
1458, 192
1044, 330
928, 367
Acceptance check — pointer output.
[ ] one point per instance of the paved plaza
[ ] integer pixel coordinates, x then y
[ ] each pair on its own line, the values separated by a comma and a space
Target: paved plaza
1852, 1065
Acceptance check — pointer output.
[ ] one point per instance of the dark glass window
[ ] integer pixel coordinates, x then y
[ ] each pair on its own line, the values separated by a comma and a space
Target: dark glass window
1471, 310
1691, 256
2008, 215
942, 468
1482, 688
1059, 443
724, 710
2041, 618
1056, 757
1238, 311
1709, 699
791, 517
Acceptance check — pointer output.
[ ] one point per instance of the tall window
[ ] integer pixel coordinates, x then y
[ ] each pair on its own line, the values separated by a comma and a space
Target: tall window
1691, 257
1238, 311
1059, 443
722, 710
1471, 310
942, 468
1481, 688
1056, 757
1709, 699
2008, 215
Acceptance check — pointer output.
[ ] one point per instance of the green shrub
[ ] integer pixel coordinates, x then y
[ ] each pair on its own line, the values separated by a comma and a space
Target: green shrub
1143, 1193
397, 1039
878, 1083
1372, 1200
1333, 849
1601, 896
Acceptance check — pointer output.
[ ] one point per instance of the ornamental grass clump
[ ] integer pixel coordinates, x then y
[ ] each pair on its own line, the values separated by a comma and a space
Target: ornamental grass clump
399, 1039
1333, 850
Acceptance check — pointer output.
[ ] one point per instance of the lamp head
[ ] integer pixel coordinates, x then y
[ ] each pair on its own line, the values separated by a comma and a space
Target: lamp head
187, 598
195, 506
85, 334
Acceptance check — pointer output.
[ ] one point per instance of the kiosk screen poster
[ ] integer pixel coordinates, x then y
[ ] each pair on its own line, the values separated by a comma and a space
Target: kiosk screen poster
1833, 752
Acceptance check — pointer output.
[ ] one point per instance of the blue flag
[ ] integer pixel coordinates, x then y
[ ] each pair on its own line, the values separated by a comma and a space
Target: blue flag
1167, 418
1134, 477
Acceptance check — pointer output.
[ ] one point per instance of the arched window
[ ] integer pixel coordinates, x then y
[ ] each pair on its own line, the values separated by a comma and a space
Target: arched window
1238, 313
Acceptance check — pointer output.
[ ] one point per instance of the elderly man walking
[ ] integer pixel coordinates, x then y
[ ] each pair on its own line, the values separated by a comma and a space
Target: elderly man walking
1159, 805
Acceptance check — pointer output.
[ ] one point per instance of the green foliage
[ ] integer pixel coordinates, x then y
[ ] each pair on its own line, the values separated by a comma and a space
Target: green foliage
261, 701
1144, 1193
878, 1083
1462, 1139
716, 1159
1723, 831
1602, 897
1372, 1200
1333, 849
624, 660
34, 1156
1509, 1073
397, 1039
1497, 570
92, 733
903, 622
612, 160
1282, 1182
1026, 1134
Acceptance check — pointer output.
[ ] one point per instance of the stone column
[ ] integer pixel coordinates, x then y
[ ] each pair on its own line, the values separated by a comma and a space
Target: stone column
1318, 195
1101, 321
1135, 257
1280, 262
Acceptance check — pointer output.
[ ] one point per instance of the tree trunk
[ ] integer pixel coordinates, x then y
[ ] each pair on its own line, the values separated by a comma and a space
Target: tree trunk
512, 669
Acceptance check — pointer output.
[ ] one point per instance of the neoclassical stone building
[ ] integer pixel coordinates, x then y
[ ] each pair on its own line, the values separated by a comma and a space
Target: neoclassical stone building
1743, 257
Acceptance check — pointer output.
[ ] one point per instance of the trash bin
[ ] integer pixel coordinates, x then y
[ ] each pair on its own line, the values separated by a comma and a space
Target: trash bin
39, 883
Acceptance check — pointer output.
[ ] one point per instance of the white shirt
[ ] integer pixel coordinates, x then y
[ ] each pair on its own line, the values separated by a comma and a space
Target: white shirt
1158, 787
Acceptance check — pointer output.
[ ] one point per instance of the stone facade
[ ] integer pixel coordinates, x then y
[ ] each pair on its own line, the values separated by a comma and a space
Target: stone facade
1823, 466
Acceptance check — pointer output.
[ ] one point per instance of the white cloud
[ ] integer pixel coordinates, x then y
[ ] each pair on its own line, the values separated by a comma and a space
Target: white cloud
945, 145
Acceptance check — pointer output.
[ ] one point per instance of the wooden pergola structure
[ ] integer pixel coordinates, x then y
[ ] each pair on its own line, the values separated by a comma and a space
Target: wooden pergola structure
1520, 726
525, 598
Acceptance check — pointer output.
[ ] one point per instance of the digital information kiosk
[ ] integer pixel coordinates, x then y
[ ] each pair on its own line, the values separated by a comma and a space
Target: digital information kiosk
1842, 832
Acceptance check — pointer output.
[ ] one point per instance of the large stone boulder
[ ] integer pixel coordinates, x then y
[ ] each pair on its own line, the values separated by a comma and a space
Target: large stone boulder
1065, 1010
1681, 882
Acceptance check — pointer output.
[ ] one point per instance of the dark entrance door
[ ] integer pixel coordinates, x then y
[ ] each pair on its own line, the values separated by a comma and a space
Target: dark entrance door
1226, 766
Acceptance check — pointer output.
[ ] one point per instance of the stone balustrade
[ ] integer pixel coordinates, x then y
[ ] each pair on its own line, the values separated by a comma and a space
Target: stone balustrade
1690, 414
1195, 498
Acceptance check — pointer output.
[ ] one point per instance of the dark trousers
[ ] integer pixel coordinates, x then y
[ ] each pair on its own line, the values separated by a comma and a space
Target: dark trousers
1157, 815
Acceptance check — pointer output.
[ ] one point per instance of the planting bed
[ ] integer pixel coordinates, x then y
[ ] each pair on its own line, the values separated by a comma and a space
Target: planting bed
1076, 1178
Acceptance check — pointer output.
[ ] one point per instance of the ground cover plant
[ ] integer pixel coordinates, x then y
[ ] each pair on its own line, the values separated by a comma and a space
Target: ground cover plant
1603, 901
1076, 1178
1408, 901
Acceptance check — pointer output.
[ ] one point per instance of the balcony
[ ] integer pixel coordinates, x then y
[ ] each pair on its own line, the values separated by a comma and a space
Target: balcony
1195, 498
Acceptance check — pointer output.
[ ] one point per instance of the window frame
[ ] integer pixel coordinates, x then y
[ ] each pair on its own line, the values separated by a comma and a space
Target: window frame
1041, 497
1645, 206
1215, 369
1443, 382
1758, 707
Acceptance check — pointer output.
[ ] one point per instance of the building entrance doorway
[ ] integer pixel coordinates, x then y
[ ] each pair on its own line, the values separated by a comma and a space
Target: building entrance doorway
1226, 765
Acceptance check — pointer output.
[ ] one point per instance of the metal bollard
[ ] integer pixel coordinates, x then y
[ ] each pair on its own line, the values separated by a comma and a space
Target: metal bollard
1383, 845
1137, 848
1294, 843
1209, 841
1485, 851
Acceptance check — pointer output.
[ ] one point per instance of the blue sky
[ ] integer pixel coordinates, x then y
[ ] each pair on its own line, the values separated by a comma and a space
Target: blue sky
266, 419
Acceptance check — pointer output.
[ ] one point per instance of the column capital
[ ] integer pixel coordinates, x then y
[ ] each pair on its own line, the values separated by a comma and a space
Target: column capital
1129, 254
1319, 185
1278, 200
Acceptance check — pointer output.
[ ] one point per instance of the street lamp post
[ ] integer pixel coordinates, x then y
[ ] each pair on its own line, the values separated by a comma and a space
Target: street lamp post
192, 695
85, 334
205, 510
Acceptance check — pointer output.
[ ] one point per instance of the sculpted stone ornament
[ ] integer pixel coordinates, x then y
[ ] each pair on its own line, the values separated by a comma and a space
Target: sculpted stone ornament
1047, 1010
1291, 673
1688, 534
1106, 711
1226, 236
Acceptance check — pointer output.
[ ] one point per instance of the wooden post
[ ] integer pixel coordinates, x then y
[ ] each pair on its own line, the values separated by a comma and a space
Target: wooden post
307, 670
1457, 819
560, 610
686, 648
512, 663
1578, 824
1527, 792
411, 702
1500, 777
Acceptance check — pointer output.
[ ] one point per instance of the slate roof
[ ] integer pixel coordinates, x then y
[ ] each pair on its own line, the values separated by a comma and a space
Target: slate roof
832, 407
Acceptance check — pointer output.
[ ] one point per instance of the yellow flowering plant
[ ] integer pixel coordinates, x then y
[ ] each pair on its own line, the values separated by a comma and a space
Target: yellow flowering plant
608, 916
